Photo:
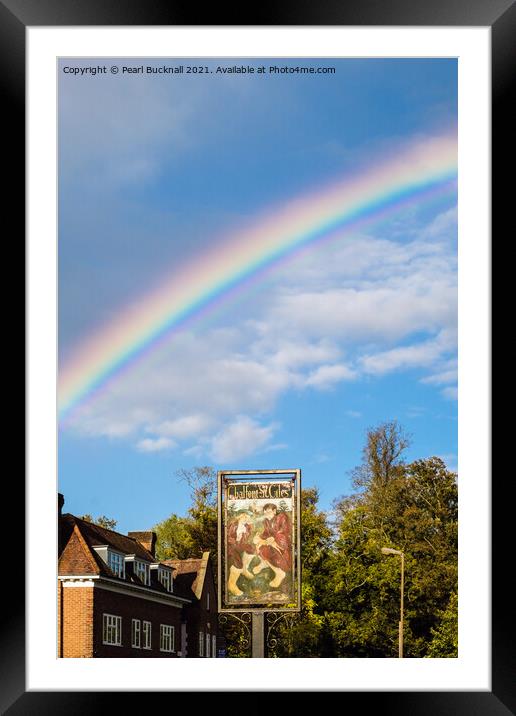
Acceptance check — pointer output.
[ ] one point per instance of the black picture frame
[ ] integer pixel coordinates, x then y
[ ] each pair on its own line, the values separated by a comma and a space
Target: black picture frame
500, 16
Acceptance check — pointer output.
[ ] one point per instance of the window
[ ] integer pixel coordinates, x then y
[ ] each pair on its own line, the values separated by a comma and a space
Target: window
136, 638
208, 601
116, 564
165, 577
147, 634
111, 629
166, 637
201, 643
208, 642
142, 571
214, 646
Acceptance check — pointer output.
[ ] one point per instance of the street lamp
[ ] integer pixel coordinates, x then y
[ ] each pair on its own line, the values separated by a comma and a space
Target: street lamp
388, 550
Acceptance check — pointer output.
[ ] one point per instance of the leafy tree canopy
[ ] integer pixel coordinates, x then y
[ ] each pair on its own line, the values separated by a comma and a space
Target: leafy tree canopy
351, 590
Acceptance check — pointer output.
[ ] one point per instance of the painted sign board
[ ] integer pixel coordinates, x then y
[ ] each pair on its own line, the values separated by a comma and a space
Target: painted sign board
259, 540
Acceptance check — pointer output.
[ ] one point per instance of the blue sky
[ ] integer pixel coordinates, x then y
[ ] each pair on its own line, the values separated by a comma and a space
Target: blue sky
292, 372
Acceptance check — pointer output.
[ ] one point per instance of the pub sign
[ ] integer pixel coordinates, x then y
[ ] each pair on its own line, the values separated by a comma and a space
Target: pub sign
259, 540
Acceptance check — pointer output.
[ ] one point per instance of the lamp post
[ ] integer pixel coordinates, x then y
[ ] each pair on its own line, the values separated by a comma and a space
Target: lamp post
388, 550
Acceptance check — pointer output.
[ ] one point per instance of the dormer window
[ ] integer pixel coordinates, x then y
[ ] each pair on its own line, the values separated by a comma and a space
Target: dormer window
116, 563
165, 577
114, 560
142, 571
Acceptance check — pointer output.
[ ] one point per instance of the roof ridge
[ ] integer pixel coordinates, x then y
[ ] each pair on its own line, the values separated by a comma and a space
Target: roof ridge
186, 559
107, 529
120, 534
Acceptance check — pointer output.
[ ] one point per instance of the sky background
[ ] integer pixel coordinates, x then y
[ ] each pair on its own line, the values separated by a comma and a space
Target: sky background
154, 170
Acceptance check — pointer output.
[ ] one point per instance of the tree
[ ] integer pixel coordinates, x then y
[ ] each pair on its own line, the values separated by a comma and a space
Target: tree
351, 600
182, 537
382, 456
306, 635
173, 538
102, 521
202, 514
412, 508
444, 642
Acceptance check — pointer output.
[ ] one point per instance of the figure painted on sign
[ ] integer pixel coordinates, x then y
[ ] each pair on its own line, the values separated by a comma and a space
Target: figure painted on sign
274, 544
240, 551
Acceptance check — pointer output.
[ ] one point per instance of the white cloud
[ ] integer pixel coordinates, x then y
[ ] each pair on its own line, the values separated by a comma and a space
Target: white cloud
447, 376
293, 354
196, 451
376, 312
451, 392
414, 356
362, 288
327, 375
240, 439
359, 306
418, 355
155, 445
446, 372
443, 225
181, 428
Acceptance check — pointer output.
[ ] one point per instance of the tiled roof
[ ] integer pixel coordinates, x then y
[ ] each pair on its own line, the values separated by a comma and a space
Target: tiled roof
95, 536
184, 566
79, 557
190, 573
76, 557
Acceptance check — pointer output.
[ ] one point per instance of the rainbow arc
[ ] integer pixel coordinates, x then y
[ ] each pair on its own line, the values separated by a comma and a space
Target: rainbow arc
418, 171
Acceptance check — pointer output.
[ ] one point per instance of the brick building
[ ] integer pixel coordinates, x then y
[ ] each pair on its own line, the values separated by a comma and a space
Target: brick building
195, 577
115, 599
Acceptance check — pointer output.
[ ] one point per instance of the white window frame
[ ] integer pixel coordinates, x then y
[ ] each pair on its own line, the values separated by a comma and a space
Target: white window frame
166, 632
214, 646
110, 622
201, 643
140, 565
136, 634
208, 645
166, 579
147, 635
120, 558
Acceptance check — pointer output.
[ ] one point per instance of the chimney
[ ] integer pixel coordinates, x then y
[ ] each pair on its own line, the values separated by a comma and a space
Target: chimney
146, 539
60, 503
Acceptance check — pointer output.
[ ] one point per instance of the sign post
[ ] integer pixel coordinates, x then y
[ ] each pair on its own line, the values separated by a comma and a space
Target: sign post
258, 636
259, 545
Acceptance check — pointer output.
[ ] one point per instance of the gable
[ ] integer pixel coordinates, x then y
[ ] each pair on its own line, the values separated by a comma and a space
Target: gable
192, 573
76, 558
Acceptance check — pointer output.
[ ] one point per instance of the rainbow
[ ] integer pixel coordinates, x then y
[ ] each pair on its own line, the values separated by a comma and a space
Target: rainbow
412, 173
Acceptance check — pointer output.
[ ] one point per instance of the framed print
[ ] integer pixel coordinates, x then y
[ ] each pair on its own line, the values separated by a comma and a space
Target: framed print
259, 511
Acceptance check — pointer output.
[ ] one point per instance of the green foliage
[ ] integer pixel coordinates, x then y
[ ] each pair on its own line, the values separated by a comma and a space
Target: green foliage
445, 639
102, 521
350, 589
411, 508
305, 635
316, 535
173, 538
182, 537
